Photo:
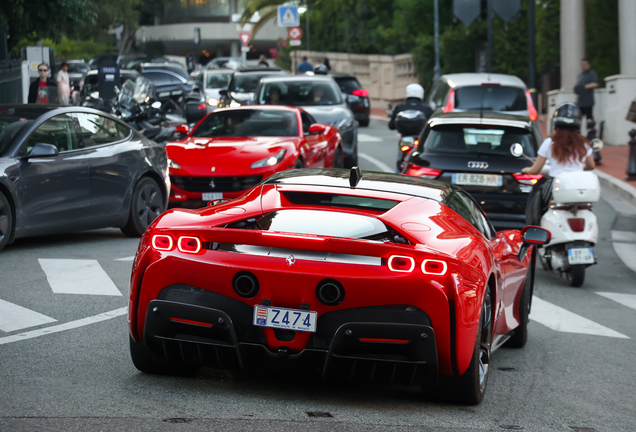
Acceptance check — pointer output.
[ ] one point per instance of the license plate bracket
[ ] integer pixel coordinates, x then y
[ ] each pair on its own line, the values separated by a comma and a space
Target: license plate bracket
283, 318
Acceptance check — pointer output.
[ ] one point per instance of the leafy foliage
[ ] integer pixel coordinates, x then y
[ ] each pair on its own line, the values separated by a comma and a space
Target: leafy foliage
67, 48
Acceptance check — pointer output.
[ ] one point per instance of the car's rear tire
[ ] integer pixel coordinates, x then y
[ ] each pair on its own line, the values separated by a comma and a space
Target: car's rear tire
147, 362
6, 221
576, 275
469, 388
337, 159
146, 205
520, 334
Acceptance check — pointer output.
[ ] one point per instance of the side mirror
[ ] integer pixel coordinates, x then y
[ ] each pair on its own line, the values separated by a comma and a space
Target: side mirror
43, 150
533, 235
316, 129
182, 129
597, 144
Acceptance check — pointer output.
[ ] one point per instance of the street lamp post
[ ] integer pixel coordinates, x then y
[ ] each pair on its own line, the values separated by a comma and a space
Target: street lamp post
437, 66
307, 27
490, 36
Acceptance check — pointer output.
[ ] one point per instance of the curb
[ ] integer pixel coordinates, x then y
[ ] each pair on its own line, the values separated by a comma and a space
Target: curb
622, 189
376, 117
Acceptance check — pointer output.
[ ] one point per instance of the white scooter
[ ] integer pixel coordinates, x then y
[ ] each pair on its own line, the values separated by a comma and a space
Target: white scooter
572, 224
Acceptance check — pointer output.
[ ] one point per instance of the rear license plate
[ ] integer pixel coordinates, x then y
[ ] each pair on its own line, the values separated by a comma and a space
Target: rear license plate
212, 196
288, 319
581, 256
469, 179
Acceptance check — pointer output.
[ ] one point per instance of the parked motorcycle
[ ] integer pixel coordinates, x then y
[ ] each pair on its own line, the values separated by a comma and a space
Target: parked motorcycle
572, 223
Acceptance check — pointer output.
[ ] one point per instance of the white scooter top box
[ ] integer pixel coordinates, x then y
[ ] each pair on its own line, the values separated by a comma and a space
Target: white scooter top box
576, 187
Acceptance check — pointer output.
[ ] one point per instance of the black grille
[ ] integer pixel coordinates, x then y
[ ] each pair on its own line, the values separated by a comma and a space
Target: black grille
215, 184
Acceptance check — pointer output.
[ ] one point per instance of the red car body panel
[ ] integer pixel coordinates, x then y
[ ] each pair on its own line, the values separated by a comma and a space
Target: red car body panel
221, 157
452, 301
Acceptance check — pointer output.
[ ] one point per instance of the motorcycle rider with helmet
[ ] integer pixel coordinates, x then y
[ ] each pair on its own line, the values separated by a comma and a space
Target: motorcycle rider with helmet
414, 101
567, 150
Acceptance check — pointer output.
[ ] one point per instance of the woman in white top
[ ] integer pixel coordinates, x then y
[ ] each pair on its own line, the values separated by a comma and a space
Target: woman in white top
63, 84
567, 150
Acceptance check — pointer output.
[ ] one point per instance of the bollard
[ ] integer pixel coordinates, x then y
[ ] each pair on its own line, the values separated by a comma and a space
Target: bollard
591, 134
631, 161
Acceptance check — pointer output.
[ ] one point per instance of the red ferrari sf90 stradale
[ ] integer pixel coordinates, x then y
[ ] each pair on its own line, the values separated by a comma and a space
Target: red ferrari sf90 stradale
232, 150
381, 277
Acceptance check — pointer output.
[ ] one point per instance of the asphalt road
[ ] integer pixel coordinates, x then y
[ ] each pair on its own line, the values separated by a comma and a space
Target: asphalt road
64, 361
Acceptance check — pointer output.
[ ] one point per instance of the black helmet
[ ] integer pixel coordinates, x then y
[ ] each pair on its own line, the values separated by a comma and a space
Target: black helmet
567, 115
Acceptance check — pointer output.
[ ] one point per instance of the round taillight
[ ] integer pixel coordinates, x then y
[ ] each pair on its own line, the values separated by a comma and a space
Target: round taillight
434, 267
188, 244
162, 242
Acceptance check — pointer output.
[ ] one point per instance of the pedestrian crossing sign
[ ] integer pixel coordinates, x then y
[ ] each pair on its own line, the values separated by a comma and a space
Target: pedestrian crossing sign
288, 16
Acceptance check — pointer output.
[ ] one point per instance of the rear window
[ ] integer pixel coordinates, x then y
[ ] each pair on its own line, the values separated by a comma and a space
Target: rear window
490, 98
324, 223
476, 140
322, 199
348, 85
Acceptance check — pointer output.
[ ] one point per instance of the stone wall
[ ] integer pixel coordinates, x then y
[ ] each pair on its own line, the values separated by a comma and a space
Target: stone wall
385, 77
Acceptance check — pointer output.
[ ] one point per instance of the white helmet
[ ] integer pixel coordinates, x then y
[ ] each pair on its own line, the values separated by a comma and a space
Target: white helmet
415, 91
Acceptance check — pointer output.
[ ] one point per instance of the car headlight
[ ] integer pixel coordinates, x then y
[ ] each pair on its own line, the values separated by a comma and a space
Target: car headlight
172, 164
270, 161
234, 104
213, 102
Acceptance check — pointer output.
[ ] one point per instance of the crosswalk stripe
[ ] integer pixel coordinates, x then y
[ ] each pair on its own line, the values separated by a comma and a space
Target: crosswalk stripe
72, 276
131, 258
368, 138
14, 317
628, 300
562, 320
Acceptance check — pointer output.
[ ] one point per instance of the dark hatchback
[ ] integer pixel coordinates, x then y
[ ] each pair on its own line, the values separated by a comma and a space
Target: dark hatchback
72, 168
475, 152
357, 97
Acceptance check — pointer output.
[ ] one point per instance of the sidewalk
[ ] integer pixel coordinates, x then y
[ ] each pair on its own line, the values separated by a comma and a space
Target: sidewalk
611, 172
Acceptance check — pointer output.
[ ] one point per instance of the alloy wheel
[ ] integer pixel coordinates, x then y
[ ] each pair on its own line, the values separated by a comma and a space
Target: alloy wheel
149, 204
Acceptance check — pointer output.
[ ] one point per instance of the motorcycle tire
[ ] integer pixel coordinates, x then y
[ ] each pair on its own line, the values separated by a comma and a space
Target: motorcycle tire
576, 275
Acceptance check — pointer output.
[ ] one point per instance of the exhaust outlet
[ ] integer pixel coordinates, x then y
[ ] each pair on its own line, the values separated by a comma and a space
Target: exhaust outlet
330, 292
245, 284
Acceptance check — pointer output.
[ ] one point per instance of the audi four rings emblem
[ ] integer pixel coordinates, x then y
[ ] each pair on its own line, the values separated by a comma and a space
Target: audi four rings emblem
480, 165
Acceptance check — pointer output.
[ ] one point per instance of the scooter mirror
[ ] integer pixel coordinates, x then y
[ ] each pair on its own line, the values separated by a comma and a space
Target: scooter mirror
516, 150
597, 144
156, 105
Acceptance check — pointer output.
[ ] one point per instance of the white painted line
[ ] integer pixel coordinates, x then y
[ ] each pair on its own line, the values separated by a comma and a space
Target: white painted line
374, 161
71, 276
132, 258
380, 118
562, 320
14, 317
624, 236
626, 252
628, 300
66, 326
368, 138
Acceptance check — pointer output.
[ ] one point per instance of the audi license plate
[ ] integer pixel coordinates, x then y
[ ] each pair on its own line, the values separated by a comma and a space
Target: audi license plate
212, 196
288, 319
580, 256
469, 179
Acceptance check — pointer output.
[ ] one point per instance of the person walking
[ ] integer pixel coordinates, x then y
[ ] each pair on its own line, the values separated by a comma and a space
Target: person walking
586, 82
43, 90
63, 84
305, 66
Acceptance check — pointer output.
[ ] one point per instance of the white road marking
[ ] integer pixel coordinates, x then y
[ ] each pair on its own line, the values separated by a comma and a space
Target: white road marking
66, 326
626, 252
562, 320
628, 300
374, 161
131, 258
71, 276
368, 138
14, 317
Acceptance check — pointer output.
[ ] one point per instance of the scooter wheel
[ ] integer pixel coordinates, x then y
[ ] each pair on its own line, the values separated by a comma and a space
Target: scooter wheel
576, 275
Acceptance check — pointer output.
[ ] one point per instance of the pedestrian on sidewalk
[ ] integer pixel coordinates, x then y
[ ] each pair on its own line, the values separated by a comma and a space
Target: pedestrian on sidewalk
43, 90
305, 66
586, 82
63, 84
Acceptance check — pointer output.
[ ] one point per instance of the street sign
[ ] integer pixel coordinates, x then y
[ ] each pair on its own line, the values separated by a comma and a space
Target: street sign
295, 33
506, 9
245, 38
295, 42
288, 16
467, 10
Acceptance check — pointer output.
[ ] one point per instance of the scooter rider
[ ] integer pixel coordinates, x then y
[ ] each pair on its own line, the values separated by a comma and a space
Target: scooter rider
414, 101
567, 150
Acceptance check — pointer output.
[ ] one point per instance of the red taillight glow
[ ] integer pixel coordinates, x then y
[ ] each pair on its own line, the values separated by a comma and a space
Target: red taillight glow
202, 106
418, 171
186, 321
191, 245
396, 341
361, 92
577, 224
527, 179
450, 102
434, 267
162, 242
401, 264
532, 111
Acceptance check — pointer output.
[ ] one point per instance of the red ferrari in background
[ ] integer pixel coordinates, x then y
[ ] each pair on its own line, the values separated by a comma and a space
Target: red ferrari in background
231, 150
382, 277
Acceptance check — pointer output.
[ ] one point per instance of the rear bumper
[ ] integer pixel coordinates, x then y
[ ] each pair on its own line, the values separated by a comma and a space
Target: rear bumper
403, 346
